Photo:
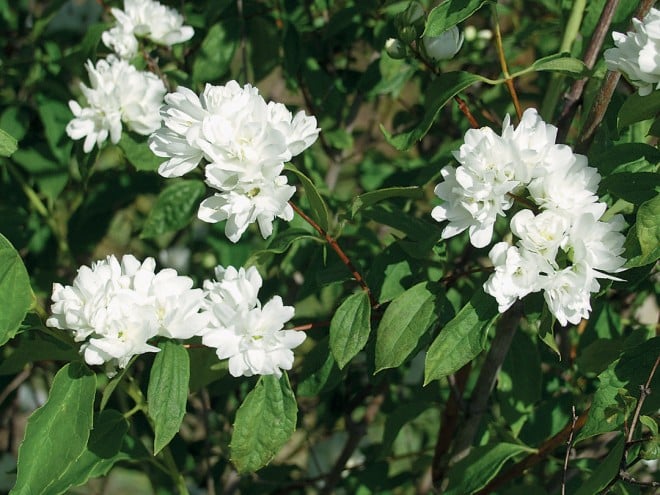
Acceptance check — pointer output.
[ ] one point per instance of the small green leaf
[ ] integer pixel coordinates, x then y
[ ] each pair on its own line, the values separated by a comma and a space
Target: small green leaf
439, 93
405, 320
480, 466
174, 208
559, 62
462, 339
57, 433
137, 152
316, 202
373, 197
637, 108
450, 13
635, 188
15, 291
264, 423
627, 157
606, 470
350, 327
216, 52
8, 144
547, 332
167, 394
648, 228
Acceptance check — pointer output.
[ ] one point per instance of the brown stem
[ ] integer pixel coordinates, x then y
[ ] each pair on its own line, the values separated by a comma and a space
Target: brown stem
569, 447
310, 326
645, 391
340, 252
546, 448
505, 69
462, 106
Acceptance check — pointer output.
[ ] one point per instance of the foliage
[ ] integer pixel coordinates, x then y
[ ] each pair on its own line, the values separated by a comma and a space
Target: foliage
409, 380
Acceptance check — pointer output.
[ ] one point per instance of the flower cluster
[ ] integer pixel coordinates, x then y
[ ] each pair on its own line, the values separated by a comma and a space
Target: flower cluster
243, 331
245, 142
116, 307
563, 247
118, 93
144, 18
636, 53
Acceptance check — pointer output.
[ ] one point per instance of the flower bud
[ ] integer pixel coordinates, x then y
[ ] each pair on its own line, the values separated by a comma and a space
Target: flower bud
443, 47
395, 49
410, 22
408, 34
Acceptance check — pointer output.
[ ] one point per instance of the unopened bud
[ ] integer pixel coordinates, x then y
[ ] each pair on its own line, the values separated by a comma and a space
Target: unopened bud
410, 22
443, 47
408, 34
395, 49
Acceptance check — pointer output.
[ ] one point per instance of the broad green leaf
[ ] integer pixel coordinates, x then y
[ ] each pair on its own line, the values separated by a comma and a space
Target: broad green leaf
319, 211
167, 393
264, 423
606, 470
15, 291
174, 208
216, 52
621, 380
8, 144
559, 62
101, 453
112, 385
34, 345
137, 152
370, 198
350, 327
462, 339
450, 13
635, 188
438, 94
648, 228
57, 433
50, 175
55, 115
480, 466
280, 243
627, 157
405, 320
319, 370
637, 108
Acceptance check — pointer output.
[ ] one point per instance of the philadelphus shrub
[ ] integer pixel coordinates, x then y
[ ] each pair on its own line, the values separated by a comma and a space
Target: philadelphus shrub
145, 18
563, 247
637, 53
115, 307
118, 92
245, 142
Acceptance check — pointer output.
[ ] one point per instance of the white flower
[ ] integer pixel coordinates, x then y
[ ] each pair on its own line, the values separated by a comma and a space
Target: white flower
637, 53
567, 293
147, 18
598, 245
118, 93
249, 335
444, 46
542, 234
516, 274
258, 202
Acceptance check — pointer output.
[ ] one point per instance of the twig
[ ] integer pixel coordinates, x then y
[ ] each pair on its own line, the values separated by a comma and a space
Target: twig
310, 326
499, 348
15, 383
624, 476
505, 69
569, 446
340, 252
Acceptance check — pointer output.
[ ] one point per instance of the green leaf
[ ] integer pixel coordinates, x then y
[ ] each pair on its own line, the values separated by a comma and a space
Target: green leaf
350, 327
606, 470
48, 173
57, 433
462, 339
55, 115
559, 62
373, 197
33, 345
621, 379
319, 370
637, 108
264, 423
15, 291
439, 93
317, 204
480, 466
167, 393
279, 244
648, 228
8, 144
101, 453
174, 208
405, 320
396, 419
137, 152
635, 188
215, 53
450, 13
627, 157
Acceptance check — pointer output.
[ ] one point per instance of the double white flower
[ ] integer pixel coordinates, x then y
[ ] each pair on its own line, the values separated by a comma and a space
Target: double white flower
637, 53
118, 93
245, 143
145, 18
564, 248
